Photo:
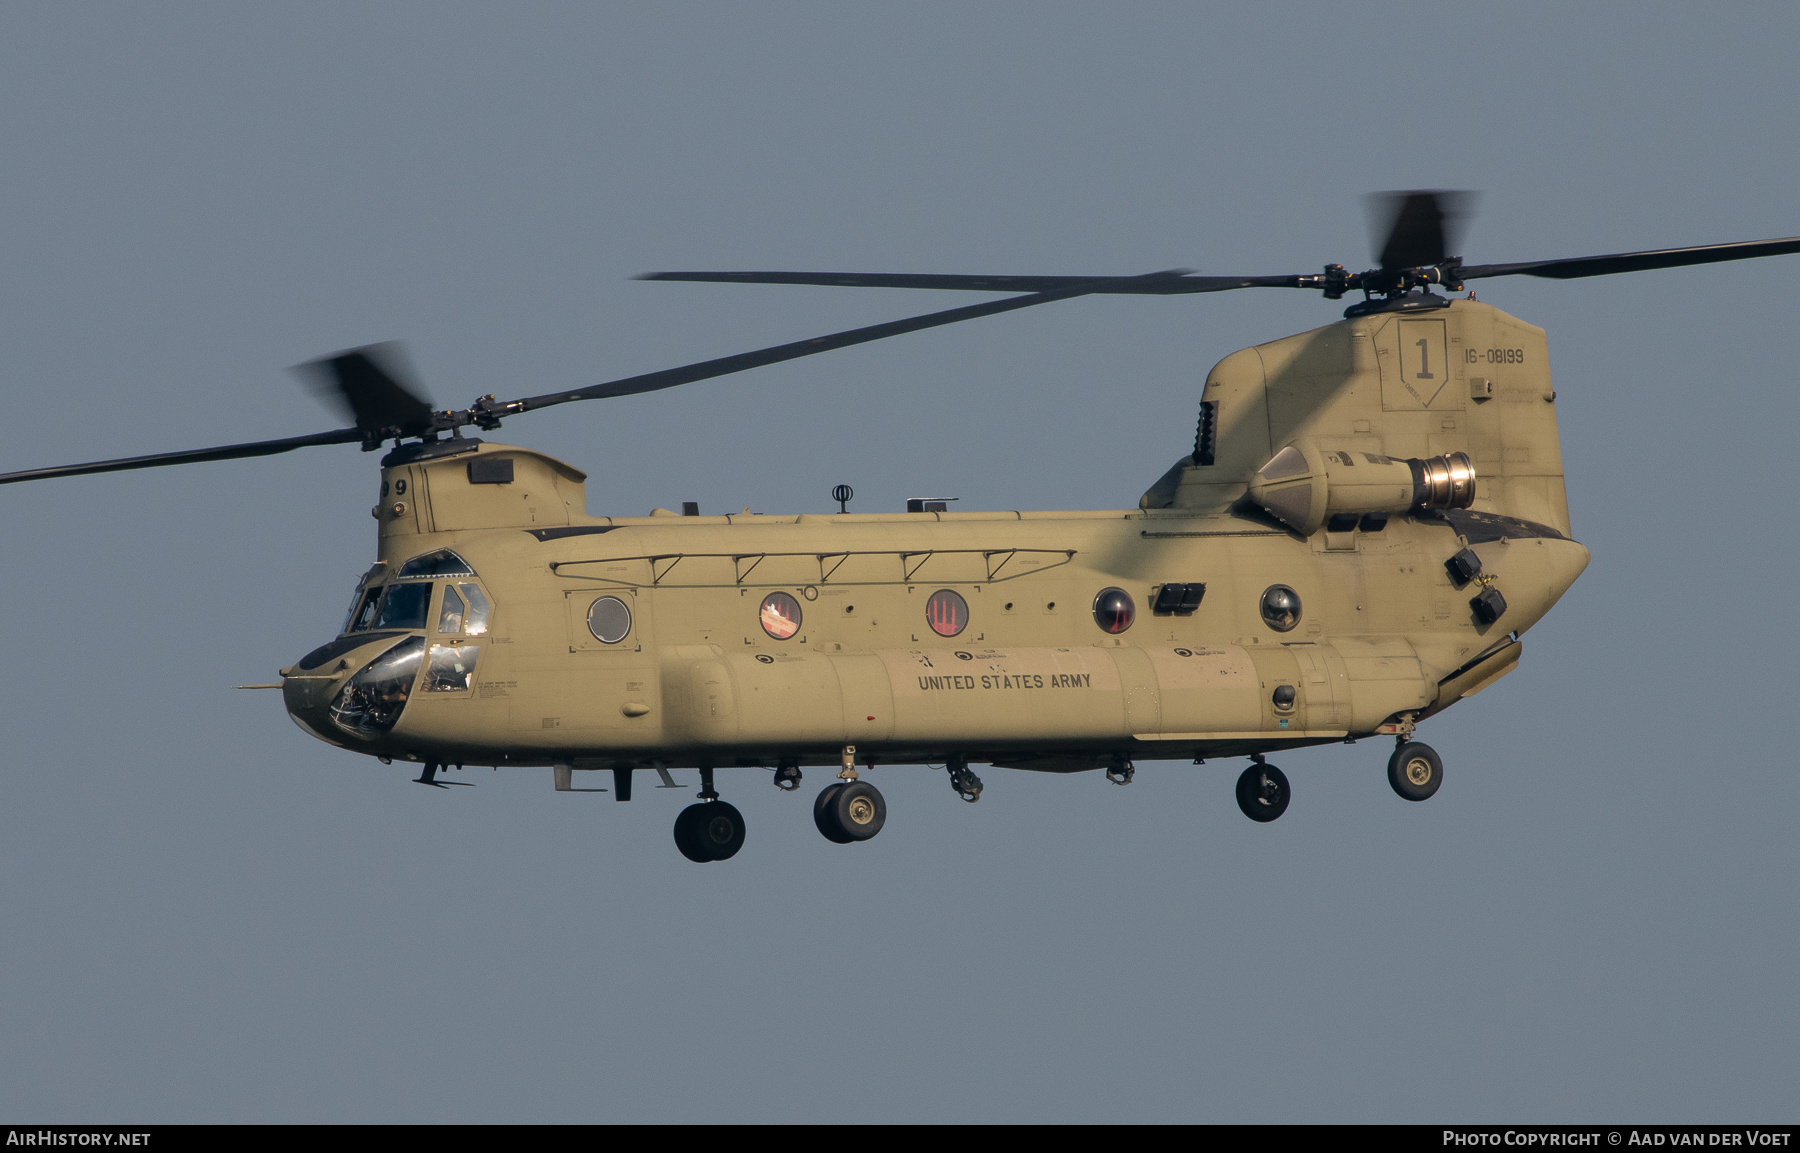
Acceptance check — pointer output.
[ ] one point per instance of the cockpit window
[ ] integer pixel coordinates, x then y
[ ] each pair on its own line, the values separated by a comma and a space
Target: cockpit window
476, 622
442, 563
364, 615
450, 613
371, 703
451, 669
362, 605
404, 607
350, 617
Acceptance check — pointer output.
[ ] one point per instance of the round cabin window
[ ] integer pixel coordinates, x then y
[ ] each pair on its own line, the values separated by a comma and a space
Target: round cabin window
1280, 608
780, 615
1113, 610
609, 620
947, 613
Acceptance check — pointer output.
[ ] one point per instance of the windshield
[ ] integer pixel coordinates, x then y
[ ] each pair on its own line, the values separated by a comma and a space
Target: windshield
363, 615
350, 617
403, 607
463, 608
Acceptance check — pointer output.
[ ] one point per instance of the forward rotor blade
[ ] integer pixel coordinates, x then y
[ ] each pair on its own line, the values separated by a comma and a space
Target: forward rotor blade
1171, 283
1418, 228
1571, 268
193, 456
669, 377
365, 383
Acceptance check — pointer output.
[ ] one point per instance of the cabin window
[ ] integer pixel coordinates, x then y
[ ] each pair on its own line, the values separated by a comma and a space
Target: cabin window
404, 607
780, 615
1280, 608
1114, 610
451, 668
475, 621
442, 563
450, 612
947, 613
609, 620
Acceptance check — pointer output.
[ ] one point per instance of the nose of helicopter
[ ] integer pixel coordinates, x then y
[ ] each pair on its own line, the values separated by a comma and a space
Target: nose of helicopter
352, 688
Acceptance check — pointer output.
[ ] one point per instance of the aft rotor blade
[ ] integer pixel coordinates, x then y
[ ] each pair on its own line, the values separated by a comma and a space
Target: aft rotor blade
193, 456
1418, 228
669, 377
1571, 268
1172, 283
366, 383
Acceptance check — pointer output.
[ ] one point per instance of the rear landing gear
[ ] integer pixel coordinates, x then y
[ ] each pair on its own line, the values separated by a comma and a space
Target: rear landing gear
1263, 792
849, 811
711, 830
1415, 770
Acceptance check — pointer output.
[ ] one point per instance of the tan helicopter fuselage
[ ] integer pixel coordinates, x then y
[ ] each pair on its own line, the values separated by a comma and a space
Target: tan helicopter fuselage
1386, 634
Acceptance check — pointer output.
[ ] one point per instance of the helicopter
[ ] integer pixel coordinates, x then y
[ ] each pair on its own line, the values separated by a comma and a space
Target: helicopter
1369, 518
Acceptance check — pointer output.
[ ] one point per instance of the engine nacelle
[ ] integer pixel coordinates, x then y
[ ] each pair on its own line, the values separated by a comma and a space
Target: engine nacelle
1304, 484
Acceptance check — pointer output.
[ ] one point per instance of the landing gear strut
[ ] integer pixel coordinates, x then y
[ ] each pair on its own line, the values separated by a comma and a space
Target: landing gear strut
1415, 770
711, 830
1263, 792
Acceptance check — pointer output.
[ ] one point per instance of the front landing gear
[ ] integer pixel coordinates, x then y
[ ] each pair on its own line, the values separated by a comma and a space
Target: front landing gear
1415, 770
711, 830
1263, 792
849, 811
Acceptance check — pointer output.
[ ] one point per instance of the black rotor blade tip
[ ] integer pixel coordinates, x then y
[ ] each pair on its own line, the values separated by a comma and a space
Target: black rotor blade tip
1412, 229
373, 385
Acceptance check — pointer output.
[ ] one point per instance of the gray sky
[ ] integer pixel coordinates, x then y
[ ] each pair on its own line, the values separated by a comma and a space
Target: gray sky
210, 916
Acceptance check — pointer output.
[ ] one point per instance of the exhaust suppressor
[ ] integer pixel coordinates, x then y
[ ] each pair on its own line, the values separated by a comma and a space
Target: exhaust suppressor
1304, 485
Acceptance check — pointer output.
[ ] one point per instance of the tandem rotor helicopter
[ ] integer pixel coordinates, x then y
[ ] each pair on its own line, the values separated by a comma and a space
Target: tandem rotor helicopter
1370, 516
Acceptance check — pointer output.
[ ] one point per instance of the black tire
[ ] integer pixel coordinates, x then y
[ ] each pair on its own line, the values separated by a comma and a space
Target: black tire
720, 830
687, 835
857, 810
1263, 793
823, 818
1415, 771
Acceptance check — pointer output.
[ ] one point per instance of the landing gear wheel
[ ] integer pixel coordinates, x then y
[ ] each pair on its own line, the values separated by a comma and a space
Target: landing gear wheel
853, 812
687, 835
712, 831
1415, 771
721, 829
822, 808
1263, 792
